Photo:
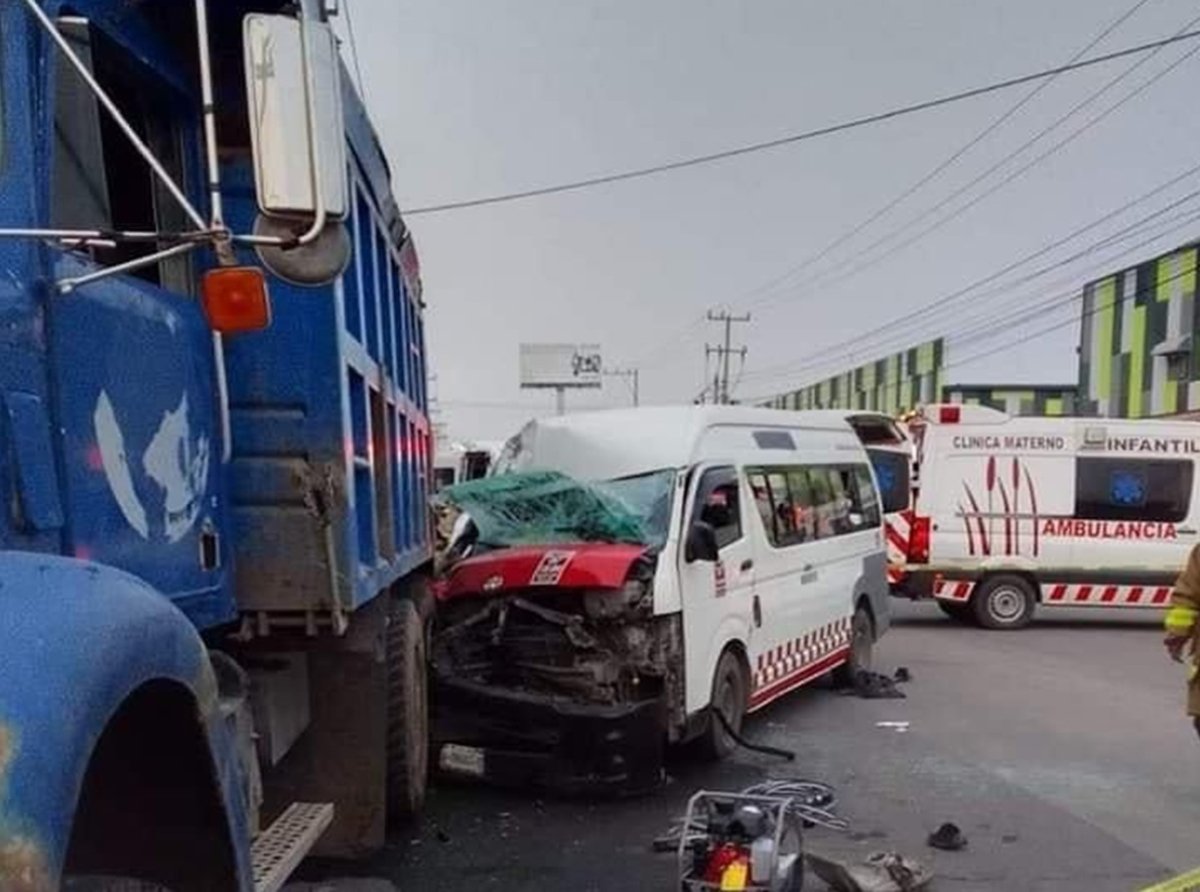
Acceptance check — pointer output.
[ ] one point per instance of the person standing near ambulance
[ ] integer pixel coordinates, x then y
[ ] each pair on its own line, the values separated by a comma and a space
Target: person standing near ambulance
1183, 629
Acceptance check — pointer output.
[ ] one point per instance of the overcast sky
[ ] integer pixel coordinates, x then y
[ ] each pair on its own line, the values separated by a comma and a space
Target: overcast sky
476, 97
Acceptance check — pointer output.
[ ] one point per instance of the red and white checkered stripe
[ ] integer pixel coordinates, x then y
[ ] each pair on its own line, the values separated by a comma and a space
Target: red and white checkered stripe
1071, 594
1068, 594
800, 653
897, 529
953, 589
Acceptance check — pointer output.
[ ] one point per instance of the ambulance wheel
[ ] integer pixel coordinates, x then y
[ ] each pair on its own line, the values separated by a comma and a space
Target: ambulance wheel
1003, 602
408, 710
730, 696
958, 612
862, 647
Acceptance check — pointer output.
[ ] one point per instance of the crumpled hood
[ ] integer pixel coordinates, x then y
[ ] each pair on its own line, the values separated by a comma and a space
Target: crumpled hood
574, 566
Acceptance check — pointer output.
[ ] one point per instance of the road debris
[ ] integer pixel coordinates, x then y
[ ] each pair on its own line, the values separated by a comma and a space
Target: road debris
898, 727
873, 686
902, 675
812, 803
878, 872
948, 837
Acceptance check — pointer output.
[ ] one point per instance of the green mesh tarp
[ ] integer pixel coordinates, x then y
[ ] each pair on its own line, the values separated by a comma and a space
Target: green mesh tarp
537, 507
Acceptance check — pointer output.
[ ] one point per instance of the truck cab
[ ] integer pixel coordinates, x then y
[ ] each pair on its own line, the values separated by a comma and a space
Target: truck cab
214, 448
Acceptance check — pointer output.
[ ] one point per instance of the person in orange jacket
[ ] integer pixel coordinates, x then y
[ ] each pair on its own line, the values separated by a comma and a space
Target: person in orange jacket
1183, 630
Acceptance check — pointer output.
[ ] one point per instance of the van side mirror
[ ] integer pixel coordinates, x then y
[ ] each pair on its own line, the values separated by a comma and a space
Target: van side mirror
701, 544
292, 68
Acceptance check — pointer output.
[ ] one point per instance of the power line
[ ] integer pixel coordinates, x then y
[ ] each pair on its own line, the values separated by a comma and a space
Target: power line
945, 163
953, 296
1075, 296
804, 135
876, 259
981, 329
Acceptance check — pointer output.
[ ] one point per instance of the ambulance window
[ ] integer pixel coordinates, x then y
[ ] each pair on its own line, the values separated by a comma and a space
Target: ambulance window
718, 505
832, 502
864, 499
1132, 489
892, 472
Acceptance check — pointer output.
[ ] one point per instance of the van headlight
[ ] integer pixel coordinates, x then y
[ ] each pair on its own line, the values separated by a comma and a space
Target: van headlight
611, 603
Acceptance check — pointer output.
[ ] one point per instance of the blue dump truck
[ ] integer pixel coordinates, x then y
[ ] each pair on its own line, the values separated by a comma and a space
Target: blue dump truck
215, 452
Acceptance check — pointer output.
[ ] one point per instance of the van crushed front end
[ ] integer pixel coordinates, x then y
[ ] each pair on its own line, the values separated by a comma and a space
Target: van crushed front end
549, 665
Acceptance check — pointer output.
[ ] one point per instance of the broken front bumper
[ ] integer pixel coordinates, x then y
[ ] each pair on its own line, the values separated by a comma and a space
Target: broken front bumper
515, 738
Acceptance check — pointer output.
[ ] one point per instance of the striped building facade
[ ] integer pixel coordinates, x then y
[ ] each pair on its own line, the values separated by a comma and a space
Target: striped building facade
893, 384
1016, 399
1139, 340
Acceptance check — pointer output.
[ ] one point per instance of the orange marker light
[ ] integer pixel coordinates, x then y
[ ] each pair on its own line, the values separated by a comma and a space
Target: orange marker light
235, 299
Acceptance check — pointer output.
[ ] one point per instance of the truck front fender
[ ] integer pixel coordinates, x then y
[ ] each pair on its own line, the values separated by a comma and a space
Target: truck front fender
77, 641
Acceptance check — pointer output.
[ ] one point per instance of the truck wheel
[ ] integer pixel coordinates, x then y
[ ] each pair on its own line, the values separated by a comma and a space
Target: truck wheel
108, 884
957, 612
730, 695
1003, 602
862, 647
408, 710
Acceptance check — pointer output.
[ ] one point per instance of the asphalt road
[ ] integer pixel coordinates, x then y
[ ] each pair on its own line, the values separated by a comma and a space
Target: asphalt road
1061, 751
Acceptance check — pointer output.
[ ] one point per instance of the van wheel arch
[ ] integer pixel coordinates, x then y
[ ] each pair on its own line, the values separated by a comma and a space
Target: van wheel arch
714, 743
150, 806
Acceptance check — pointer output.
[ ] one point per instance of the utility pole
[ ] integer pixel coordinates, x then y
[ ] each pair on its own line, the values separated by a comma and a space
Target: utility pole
630, 374
721, 377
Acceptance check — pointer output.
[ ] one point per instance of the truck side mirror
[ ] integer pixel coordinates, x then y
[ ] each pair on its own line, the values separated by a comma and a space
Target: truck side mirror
701, 543
292, 69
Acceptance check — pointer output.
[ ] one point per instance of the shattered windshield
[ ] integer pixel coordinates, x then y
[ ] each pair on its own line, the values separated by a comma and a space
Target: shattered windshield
537, 507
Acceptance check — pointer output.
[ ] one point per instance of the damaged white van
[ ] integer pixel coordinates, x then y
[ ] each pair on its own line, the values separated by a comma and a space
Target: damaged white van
632, 571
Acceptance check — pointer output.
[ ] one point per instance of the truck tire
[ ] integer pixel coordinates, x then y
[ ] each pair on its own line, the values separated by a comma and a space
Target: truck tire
408, 710
862, 647
1004, 602
730, 695
108, 884
958, 612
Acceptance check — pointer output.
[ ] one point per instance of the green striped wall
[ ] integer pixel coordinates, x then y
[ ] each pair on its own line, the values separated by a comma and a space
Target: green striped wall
1023, 399
894, 383
1139, 351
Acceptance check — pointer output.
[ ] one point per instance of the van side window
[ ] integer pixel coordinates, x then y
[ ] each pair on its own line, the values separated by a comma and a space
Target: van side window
802, 504
806, 503
783, 510
762, 501
1132, 489
718, 505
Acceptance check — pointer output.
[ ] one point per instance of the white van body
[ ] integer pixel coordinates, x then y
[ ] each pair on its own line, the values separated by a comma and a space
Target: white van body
780, 598
1093, 512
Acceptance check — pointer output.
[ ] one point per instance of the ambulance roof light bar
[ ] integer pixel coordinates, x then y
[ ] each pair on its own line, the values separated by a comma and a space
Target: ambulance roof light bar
961, 413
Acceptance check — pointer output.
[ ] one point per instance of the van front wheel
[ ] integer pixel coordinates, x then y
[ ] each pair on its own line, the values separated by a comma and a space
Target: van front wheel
862, 646
730, 696
1004, 602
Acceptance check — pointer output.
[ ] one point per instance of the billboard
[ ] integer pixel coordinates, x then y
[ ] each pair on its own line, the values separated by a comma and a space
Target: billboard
891, 384
560, 365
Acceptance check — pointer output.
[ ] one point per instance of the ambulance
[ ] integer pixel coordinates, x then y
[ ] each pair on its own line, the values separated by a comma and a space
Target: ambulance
1014, 514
